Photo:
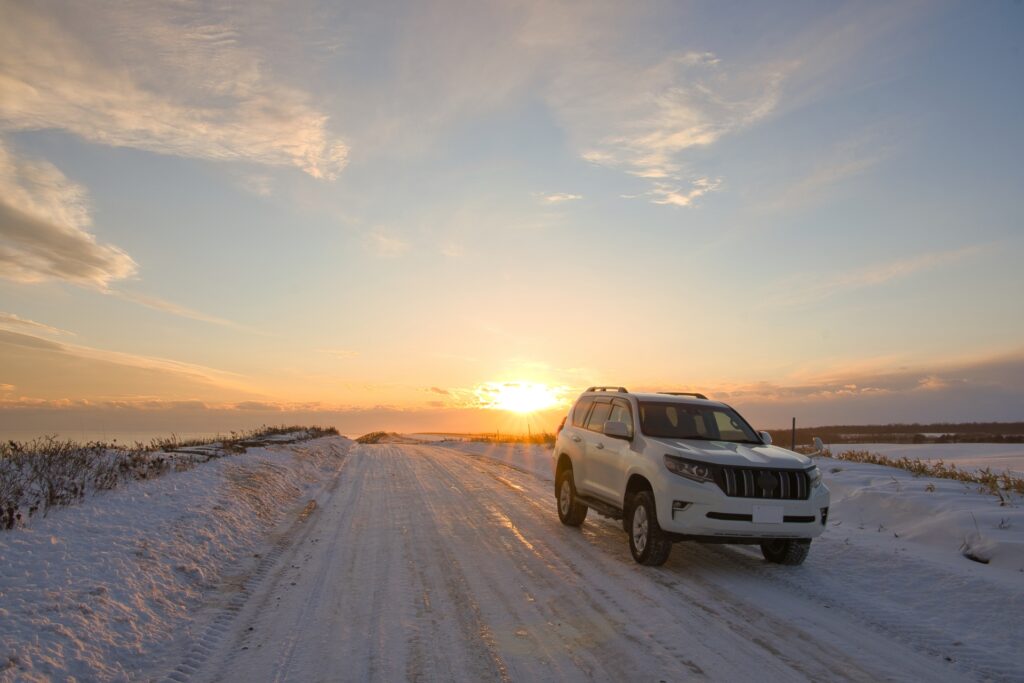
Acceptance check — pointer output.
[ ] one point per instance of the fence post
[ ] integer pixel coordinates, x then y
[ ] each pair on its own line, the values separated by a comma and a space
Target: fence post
793, 447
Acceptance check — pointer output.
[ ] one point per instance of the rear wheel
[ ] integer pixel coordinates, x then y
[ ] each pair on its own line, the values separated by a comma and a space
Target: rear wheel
570, 510
786, 551
649, 545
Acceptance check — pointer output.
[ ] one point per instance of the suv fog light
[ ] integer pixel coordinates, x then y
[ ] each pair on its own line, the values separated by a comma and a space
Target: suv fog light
824, 516
679, 506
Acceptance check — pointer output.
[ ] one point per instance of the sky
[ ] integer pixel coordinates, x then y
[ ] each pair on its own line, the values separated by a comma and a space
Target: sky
404, 216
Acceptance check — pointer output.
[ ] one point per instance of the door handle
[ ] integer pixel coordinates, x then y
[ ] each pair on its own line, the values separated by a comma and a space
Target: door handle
600, 445
577, 439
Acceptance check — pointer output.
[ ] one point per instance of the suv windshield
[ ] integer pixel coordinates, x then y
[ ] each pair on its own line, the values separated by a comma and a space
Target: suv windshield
689, 421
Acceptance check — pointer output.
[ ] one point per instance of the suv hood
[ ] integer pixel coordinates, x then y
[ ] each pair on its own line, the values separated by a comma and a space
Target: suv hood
735, 454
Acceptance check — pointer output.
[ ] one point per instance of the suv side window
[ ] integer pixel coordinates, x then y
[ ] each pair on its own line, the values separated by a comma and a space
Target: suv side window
622, 413
579, 413
598, 416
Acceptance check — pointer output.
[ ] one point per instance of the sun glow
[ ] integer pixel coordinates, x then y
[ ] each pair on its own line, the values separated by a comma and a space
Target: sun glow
518, 397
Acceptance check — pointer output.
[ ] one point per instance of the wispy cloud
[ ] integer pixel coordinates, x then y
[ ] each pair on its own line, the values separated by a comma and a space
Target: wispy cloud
643, 120
452, 250
28, 342
842, 162
808, 289
387, 245
675, 195
262, 406
559, 197
259, 184
181, 81
165, 306
44, 228
12, 321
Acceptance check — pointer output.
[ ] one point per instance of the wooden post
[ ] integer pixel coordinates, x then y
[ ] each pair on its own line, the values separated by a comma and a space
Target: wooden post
793, 447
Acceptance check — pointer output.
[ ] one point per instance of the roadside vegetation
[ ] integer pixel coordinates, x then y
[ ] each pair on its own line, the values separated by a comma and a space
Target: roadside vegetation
48, 472
997, 484
536, 438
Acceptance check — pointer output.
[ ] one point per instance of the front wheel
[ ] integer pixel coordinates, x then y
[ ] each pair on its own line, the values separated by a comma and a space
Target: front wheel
786, 551
570, 510
649, 545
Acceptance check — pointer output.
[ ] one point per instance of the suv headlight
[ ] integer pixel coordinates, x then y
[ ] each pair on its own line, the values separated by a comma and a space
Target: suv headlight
814, 474
691, 469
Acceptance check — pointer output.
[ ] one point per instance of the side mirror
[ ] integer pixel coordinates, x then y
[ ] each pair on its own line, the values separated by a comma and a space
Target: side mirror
617, 430
766, 438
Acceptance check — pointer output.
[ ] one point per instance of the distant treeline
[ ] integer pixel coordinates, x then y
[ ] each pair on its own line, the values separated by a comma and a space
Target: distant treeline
941, 432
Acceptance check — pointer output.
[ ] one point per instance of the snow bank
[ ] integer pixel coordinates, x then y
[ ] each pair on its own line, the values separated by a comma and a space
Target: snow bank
945, 519
99, 590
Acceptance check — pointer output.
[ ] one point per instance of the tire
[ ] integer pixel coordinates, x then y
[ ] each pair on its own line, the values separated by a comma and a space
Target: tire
786, 551
570, 510
649, 545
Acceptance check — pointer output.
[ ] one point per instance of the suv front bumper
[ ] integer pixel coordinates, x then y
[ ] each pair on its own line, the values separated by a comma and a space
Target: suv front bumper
693, 509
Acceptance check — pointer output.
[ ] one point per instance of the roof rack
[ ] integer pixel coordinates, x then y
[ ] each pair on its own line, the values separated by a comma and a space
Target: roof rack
620, 390
683, 393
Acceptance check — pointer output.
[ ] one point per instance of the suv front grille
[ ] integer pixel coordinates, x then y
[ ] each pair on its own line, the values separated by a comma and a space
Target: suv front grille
746, 482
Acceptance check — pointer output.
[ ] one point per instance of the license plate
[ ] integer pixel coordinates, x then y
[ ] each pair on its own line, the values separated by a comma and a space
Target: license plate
767, 514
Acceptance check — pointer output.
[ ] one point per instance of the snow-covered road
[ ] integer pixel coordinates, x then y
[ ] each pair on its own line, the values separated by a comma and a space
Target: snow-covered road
427, 563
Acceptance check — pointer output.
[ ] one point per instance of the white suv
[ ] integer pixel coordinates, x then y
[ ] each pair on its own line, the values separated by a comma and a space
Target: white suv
677, 467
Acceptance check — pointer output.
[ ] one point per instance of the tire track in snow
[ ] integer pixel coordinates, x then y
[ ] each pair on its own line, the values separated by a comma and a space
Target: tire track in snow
428, 564
211, 639
671, 661
995, 657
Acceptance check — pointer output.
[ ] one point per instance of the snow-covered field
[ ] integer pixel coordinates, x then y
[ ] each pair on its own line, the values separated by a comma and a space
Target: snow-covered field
967, 456
446, 561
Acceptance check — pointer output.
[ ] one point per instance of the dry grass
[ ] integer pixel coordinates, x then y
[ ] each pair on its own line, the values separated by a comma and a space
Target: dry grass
375, 437
538, 438
47, 472
998, 484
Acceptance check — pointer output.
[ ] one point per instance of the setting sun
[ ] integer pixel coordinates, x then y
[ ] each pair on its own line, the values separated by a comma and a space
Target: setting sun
521, 397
